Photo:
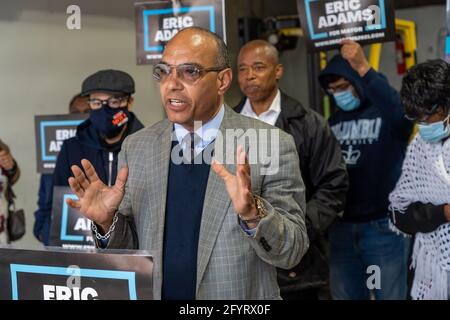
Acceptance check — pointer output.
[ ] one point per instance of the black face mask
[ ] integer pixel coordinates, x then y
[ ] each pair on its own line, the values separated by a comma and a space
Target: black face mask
109, 121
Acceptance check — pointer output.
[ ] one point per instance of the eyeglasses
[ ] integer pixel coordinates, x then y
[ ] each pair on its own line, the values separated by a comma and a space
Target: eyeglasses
113, 102
423, 118
186, 72
339, 88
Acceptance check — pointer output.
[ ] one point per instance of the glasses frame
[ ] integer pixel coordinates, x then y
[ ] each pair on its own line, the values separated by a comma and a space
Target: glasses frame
427, 114
108, 102
201, 71
341, 88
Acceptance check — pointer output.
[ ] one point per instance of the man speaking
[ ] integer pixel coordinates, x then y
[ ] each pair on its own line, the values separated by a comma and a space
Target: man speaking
215, 234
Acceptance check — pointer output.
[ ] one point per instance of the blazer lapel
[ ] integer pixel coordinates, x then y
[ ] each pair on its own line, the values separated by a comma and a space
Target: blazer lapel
157, 167
215, 206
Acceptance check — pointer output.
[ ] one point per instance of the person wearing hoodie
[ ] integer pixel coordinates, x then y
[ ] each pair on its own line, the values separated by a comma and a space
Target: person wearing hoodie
371, 126
43, 215
99, 138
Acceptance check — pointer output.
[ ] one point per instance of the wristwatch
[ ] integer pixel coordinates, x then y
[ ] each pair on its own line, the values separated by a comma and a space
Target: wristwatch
261, 211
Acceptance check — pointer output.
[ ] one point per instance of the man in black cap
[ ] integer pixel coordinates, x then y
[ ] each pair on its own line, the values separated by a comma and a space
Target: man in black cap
99, 138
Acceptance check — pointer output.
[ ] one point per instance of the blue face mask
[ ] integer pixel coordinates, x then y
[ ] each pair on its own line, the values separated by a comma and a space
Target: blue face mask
435, 132
346, 101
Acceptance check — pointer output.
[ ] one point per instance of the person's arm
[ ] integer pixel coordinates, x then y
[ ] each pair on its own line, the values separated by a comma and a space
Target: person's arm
328, 175
280, 238
103, 205
387, 99
378, 90
421, 217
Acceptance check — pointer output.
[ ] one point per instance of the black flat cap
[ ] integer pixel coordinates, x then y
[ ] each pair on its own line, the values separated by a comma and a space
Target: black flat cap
114, 81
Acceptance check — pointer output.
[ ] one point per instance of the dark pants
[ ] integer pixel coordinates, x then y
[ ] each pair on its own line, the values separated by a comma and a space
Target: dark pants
360, 252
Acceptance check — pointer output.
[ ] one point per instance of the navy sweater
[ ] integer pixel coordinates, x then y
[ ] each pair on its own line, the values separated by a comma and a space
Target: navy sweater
373, 139
184, 205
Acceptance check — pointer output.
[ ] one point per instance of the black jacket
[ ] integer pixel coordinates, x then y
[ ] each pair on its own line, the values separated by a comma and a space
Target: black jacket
419, 217
326, 182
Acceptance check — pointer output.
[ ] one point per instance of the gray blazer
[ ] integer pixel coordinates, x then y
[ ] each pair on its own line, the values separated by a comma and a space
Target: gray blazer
230, 263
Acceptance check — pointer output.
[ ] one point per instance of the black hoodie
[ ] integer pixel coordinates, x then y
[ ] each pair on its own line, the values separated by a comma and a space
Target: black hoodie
373, 139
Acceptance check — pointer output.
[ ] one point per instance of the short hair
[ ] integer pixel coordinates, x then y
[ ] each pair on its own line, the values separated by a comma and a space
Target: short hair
223, 58
424, 86
273, 51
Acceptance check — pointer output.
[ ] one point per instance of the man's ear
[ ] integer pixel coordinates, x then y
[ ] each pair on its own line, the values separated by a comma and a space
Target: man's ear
130, 103
279, 70
224, 81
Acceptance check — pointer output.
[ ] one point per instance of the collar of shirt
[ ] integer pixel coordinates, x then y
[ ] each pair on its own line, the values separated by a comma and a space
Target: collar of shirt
207, 132
269, 116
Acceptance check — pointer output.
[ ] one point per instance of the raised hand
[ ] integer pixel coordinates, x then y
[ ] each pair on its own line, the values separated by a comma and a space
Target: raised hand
96, 201
238, 186
354, 54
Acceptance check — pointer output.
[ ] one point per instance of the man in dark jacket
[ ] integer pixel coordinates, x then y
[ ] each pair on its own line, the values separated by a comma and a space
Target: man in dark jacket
321, 163
371, 126
99, 138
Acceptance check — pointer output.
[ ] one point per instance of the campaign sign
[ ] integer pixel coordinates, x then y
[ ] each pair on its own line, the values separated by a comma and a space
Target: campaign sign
327, 22
75, 275
51, 131
69, 228
158, 21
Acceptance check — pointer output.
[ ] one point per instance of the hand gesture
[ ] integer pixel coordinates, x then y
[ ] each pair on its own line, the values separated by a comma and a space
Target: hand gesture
96, 201
354, 54
238, 186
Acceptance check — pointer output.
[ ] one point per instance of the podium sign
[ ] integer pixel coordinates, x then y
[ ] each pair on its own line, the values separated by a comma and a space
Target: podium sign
70, 275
